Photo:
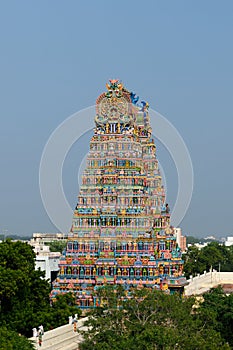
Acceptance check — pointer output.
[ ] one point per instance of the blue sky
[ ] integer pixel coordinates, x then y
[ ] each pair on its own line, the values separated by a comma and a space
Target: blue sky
56, 57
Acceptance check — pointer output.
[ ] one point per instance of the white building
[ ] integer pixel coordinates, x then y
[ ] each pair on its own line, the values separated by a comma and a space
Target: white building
48, 262
180, 239
229, 241
48, 237
45, 260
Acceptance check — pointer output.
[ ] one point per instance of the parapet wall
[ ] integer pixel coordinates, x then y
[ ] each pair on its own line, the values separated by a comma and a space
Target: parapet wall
202, 283
61, 338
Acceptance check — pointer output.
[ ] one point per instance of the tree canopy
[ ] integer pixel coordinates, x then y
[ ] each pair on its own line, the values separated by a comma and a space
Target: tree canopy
149, 320
23, 290
192, 240
10, 340
24, 293
57, 246
217, 308
214, 255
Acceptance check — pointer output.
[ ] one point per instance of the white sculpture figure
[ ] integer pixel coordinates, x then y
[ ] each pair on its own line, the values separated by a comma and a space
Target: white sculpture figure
41, 329
34, 332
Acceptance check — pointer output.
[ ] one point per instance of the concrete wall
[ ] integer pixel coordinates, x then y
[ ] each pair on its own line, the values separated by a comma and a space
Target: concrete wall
202, 283
61, 338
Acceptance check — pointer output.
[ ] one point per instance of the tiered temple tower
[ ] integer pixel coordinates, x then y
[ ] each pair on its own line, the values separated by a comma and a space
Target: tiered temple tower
121, 231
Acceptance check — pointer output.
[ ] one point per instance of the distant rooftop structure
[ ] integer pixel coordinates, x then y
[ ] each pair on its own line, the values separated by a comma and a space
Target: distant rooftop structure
199, 245
229, 241
210, 238
48, 237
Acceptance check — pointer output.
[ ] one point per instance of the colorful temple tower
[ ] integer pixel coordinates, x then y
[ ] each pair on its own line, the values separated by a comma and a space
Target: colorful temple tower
121, 231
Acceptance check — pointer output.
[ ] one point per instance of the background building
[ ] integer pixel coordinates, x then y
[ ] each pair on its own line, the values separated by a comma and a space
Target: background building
229, 241
180, 239
45, 260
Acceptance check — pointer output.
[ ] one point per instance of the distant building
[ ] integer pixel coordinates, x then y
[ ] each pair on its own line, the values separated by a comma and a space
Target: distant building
48, 237
210, 238
48, 263
180, 239
229, 241
45, 260
199, 245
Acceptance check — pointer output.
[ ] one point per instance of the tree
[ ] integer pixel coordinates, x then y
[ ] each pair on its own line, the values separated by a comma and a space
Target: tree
58, 313
218, 307
148, 319
192, 240
191, 263
10, 340
211, 256
56, 246
24, 293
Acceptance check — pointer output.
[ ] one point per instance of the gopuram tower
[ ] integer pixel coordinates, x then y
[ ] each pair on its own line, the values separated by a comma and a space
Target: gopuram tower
121, 231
